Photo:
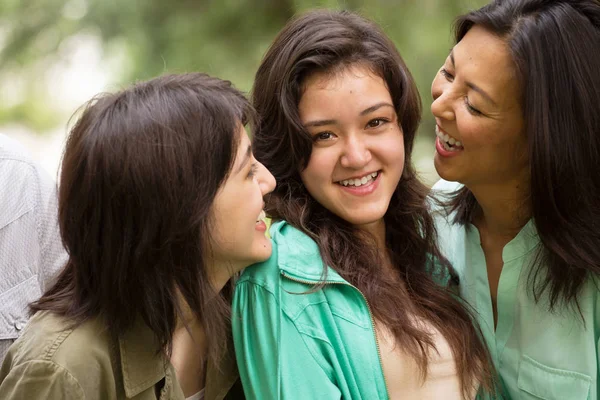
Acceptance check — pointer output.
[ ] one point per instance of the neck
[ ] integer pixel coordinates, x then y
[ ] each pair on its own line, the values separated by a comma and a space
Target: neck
377, 230
188, 356
504, 209
220, 272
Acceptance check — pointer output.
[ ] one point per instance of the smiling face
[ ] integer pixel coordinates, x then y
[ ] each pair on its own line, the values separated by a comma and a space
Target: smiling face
358, 148
480, 138
238, 230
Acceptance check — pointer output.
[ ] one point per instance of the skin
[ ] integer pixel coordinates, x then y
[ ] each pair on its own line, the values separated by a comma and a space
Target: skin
238, 240
476, 101
355, 130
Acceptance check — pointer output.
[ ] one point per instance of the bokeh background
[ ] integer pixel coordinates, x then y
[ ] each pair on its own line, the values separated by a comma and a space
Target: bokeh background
57, 54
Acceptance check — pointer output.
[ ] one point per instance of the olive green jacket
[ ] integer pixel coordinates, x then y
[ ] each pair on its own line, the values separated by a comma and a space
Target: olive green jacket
51, 361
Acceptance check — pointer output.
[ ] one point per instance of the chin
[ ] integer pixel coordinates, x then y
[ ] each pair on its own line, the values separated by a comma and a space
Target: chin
262, 251
364, 220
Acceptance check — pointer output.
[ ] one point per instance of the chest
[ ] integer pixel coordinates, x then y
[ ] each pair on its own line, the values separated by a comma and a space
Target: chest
539, 354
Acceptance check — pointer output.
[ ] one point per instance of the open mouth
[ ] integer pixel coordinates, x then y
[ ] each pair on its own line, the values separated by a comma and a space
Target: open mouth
447, 141
359, 181
261, 217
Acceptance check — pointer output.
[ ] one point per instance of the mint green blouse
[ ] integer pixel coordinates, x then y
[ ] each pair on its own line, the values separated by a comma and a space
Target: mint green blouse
538, 354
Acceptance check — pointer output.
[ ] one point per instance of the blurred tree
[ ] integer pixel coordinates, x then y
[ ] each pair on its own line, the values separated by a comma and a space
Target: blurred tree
226, 38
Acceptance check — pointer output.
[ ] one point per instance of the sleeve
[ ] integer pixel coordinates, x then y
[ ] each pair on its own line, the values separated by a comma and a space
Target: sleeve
40, 380
53, 256
273, 359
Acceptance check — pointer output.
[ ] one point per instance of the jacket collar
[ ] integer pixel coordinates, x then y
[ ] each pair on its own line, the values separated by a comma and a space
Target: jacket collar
299, 256
143, 368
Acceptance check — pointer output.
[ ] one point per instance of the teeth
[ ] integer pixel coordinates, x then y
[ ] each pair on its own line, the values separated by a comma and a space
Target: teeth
448, 142
261, 216
359, 182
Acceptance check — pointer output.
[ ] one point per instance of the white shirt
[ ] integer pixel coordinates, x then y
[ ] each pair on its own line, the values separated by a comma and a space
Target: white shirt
31, 251
197, 396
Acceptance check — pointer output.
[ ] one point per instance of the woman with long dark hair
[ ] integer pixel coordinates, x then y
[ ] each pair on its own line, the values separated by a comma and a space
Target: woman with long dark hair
517, 106
160, 203
356, 301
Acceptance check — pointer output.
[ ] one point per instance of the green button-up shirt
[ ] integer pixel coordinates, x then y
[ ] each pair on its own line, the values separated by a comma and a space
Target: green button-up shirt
538, 354
53, 361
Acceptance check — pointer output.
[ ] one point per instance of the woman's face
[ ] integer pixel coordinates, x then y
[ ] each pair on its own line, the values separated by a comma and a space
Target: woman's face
476, 104
358, 147
238, 230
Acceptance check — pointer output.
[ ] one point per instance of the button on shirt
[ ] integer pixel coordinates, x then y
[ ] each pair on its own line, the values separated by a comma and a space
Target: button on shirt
31, 252
538, 354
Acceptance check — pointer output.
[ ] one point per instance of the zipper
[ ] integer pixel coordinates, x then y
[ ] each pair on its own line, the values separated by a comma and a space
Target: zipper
307, 282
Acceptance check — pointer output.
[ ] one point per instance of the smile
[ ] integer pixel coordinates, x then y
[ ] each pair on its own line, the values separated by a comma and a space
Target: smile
448, 142
261, 217
359, 181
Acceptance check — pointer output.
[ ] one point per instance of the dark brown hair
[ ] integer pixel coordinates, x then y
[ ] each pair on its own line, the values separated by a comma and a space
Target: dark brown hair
139, 174
328, 41
555, 47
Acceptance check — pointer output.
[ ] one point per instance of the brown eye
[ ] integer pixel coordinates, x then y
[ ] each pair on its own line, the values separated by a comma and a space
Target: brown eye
377, 122
322, 136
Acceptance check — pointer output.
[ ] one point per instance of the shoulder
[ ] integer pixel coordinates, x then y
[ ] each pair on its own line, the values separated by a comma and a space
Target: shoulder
24, 183
50, 339
439, 196
16, 162
293, 251
10, 149
446, 187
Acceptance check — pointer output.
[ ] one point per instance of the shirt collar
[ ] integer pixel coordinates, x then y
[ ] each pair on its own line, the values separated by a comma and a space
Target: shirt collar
299, 255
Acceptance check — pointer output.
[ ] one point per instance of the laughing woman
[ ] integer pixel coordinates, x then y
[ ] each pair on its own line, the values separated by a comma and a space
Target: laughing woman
159, 202
517, 105
348, 305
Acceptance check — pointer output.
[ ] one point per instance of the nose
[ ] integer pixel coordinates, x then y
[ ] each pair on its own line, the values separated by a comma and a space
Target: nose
266, 180
441, 107
356, 153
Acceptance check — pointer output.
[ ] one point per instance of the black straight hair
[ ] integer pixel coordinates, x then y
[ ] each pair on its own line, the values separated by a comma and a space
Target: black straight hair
555, 47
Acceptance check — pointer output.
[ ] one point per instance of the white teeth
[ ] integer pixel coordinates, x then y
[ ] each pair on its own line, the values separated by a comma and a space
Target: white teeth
359, 181
448, 142
261, 216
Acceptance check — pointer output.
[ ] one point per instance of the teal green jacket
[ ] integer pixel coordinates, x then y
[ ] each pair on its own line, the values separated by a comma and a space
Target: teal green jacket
539, 354
296, 345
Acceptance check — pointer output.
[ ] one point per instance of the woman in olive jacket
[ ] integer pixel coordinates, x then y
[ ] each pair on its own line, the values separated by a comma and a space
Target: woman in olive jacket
160, 203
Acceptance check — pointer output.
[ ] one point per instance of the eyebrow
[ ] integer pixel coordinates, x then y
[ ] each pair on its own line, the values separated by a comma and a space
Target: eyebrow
245, 160
366, 111
472, 85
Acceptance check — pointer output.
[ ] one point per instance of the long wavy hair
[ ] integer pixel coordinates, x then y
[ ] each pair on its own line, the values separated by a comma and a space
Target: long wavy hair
329, 41
555, 47
140, 171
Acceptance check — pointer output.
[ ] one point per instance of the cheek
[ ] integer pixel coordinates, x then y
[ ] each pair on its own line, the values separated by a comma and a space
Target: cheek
320, 167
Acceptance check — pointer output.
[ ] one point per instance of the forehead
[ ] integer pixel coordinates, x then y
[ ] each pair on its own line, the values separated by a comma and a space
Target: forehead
485, 60
355, 86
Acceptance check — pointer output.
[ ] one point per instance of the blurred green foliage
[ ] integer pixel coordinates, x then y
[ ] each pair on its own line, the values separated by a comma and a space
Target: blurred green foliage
226, 38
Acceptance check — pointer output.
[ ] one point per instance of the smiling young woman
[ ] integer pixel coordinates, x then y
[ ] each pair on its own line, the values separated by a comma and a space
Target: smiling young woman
355, 301
159, 205
520, 93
